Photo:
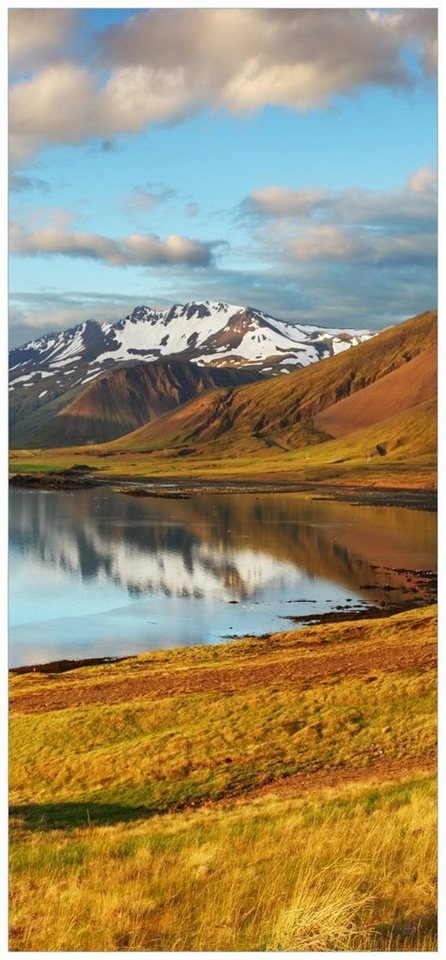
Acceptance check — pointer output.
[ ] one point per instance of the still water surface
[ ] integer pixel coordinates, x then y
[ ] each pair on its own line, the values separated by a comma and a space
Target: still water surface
96, 573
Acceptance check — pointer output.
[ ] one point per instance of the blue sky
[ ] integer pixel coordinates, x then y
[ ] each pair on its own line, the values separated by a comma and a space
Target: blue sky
282, 159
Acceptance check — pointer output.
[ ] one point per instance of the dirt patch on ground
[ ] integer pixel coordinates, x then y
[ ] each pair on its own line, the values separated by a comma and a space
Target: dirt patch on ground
326, 778
328, 659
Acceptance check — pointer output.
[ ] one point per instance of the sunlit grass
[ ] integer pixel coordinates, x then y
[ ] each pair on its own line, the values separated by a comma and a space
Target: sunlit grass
232, 716
168, 821
338, 871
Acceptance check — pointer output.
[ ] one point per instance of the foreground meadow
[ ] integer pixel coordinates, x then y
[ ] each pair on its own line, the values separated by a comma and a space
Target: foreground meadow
274, 794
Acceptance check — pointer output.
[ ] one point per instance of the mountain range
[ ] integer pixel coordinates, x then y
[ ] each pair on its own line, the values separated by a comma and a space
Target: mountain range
366, 414
98, 381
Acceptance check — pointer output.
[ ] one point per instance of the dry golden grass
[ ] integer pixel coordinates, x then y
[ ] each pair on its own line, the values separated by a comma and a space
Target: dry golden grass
337, 870
173, 728
148, 804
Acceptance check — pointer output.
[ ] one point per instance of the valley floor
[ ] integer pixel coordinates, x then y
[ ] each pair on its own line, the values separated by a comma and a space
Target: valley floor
351, 461
265, 794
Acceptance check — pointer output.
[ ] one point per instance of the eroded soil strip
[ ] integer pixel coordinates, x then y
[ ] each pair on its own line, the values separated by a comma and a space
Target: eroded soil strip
226, 679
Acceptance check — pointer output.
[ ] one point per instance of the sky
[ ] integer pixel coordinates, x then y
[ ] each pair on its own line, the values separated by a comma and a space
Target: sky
282, 159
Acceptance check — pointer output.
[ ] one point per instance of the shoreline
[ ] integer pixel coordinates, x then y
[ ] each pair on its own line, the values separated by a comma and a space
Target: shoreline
304, 621
416, 498
162, 671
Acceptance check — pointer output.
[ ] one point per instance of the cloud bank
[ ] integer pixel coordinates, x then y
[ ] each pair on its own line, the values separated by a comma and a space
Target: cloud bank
349, 226
160, 66
353, 258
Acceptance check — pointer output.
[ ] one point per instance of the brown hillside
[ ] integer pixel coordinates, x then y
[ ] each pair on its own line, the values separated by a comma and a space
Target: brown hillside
281, 412
126, 397
400, 390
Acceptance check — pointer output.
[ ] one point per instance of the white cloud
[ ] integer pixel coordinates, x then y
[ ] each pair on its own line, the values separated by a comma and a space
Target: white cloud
416, 203
149, 249
346, 227
135, 249
161, 65
249, 58
36, 33
51, 240
390, 207
284, 202
326, 242
139, 95
55, 105
329, 243
63, 104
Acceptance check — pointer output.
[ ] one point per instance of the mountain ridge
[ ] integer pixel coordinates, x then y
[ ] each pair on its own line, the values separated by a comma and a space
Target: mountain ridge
137, 336
284, 412
270, 431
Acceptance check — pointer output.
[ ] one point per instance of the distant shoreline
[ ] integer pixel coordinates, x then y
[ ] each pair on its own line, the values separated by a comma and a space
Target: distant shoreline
420, 498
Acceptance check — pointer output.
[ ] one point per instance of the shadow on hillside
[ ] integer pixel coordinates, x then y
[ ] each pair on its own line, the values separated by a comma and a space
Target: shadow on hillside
57, 816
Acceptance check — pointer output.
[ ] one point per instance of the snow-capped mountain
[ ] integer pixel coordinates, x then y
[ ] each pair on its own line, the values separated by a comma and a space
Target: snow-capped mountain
210, 334
50, 373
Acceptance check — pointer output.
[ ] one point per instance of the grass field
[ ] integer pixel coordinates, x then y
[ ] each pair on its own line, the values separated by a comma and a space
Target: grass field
273, 794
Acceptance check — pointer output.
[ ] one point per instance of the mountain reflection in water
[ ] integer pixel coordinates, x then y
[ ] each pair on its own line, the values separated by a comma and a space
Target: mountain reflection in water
99, 573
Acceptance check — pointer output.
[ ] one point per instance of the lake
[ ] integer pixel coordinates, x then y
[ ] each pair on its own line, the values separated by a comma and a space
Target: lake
95, 573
